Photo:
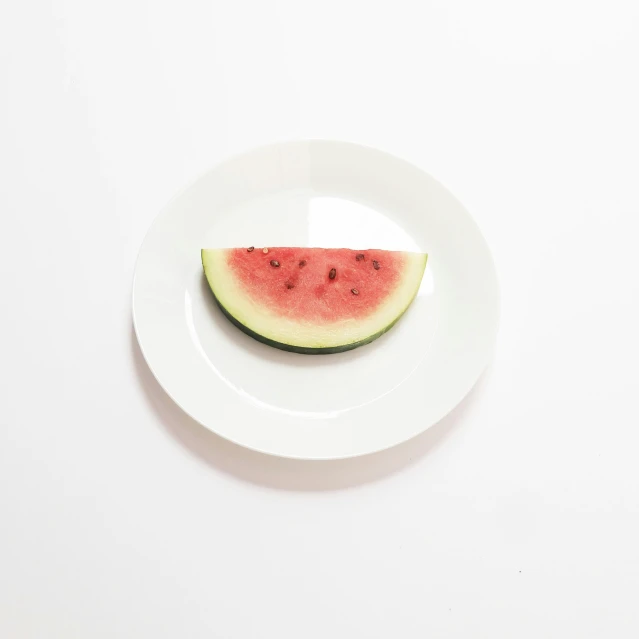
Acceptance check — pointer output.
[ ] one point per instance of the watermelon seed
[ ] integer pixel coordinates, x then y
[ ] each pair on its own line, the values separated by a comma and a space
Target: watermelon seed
376, 265
275, 263
354, 291
359, 257
290, 285
265, 251
332, 273
250, 249
302, 263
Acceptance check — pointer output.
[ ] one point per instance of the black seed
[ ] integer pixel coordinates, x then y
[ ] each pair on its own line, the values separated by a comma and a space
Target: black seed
354, 291
359, 257
332, 273
275, 263
290, 285
302, 263
376, 265
250, 249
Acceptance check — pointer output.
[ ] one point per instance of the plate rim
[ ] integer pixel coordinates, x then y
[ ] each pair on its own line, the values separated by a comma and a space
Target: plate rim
490, 341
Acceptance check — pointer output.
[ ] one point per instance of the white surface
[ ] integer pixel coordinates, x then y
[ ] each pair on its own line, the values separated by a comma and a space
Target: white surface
308, 406
516, 517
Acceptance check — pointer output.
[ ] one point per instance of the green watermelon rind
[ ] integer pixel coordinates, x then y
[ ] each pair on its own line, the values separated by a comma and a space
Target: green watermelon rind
308, 349
304, 350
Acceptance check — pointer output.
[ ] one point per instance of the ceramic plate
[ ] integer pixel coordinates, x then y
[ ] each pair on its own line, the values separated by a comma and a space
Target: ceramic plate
328, 194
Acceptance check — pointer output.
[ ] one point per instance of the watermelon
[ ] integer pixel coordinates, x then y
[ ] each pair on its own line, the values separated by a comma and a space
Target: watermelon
313, 300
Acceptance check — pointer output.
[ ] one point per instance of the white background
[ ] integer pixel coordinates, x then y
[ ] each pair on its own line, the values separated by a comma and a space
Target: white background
518, 516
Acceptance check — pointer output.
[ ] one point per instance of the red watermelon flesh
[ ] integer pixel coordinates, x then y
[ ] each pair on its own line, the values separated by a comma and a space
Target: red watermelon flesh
307, 292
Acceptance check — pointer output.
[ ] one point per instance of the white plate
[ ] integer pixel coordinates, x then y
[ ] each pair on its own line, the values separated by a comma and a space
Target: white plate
330, 194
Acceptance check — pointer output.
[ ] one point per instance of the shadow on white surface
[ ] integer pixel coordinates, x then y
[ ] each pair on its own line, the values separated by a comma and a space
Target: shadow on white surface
289, 474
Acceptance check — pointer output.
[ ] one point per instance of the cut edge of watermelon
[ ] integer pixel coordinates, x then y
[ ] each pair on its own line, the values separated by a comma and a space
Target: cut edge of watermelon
262, 324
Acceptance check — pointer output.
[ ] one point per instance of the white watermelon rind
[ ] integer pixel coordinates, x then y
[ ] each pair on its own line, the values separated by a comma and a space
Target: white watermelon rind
262, 324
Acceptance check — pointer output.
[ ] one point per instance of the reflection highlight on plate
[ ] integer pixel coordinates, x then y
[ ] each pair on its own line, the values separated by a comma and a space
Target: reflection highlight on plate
334, 222
188, 308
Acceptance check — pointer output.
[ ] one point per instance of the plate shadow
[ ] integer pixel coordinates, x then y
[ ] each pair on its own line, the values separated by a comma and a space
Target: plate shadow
290, 474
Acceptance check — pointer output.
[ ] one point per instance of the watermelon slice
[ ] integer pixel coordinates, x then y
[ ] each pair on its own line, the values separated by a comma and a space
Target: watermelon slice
313, 300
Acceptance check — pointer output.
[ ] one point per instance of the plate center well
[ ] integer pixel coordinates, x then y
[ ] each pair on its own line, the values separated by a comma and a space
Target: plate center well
318, 386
